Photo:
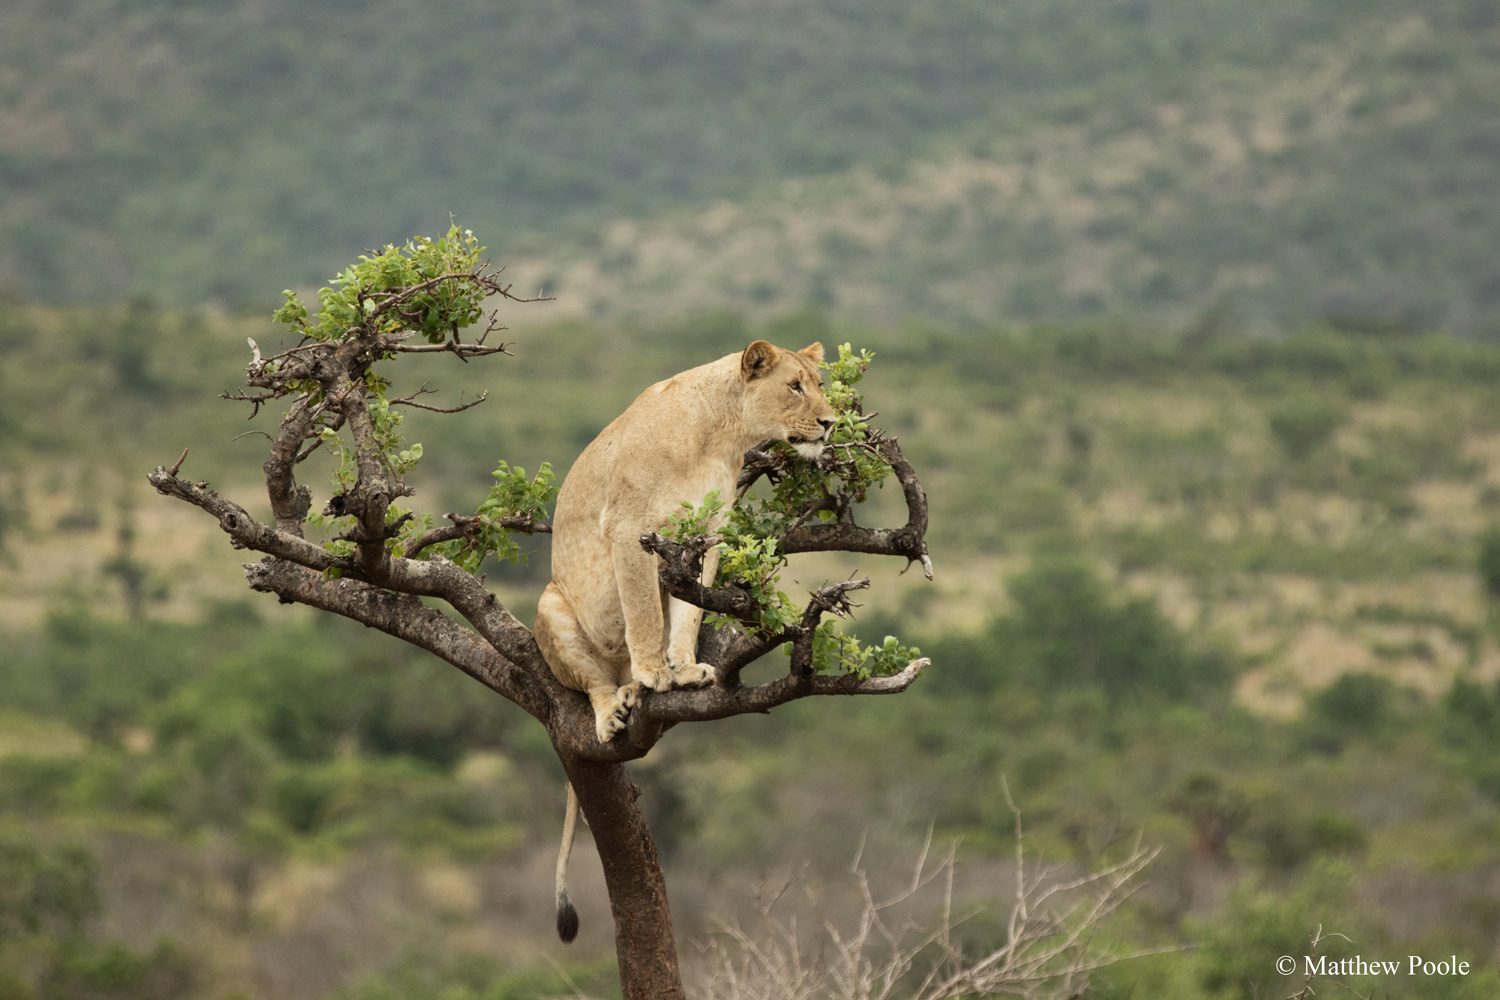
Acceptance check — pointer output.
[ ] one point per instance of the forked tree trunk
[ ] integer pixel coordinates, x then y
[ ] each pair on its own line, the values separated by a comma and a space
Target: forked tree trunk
644, 945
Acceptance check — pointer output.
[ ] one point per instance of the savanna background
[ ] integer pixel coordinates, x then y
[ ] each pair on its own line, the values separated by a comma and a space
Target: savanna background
1187, 311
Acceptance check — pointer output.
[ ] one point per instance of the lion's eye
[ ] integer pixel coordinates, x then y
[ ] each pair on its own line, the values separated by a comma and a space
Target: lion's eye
797, 388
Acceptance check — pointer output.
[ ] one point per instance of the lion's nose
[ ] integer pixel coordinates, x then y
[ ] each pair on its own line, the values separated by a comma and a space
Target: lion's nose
826, 424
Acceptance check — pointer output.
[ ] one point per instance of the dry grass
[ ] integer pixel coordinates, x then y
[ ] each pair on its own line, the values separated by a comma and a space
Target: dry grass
910, 940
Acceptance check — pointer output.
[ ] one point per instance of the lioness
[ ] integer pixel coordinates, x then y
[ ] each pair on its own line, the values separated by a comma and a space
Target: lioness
600, 623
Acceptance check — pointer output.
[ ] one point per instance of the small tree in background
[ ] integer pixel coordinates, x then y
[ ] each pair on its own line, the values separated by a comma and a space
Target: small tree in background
379, 558
1304, 423
1489, 562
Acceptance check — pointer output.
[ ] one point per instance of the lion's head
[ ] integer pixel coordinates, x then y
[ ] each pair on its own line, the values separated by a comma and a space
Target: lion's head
784, 398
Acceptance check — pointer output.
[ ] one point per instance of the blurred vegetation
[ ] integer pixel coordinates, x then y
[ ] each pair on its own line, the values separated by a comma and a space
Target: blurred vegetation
1210, 163
1234, 595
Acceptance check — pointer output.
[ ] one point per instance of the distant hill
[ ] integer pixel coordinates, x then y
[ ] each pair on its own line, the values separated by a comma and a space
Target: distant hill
1188, 162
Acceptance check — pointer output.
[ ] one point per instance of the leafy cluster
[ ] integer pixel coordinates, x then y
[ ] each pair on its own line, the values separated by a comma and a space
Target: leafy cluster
835, 652
749, 557
514, 495
851, 466
432, 288
407, 287
755, 563
695, 522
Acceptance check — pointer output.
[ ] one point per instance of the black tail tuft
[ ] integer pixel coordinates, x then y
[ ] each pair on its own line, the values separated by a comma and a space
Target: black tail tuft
567, 922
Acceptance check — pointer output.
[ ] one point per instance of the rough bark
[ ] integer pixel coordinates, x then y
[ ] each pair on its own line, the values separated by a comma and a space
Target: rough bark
644, 944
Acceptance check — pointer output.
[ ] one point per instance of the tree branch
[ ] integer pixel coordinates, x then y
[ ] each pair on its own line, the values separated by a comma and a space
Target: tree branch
469, 526
289, 502
844, 535
832, 599
682, 572
572, 727
245, 532
508, 639
721, 703
405, 617
411, 400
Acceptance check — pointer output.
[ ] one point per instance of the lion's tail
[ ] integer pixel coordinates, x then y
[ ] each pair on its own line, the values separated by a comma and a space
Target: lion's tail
567, 916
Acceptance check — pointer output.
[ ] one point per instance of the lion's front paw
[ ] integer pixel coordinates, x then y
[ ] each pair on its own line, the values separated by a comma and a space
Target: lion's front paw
655, 678
694, 675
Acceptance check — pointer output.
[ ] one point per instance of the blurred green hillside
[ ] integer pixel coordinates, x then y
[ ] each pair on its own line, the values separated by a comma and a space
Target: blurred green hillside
1234, 594
1185, 310
1169, 161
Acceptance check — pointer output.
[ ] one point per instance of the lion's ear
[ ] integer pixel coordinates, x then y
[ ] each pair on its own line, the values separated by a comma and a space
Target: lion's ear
757, 360
813, 352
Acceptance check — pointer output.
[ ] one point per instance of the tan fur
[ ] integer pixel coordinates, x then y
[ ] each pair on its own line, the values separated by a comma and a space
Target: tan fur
601, 623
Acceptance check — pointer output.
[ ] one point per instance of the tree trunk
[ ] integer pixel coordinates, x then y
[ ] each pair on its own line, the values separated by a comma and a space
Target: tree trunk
644, 945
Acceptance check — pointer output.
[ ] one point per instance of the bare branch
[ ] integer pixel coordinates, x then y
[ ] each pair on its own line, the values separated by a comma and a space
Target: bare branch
463, 351
843, 535
244, 531
314, 439
886, 952
759, 462
255, 401
177, 465
289, 501
506, 636
731, 649
721, 703
411, 400
830, 599
405, 617
1314, 948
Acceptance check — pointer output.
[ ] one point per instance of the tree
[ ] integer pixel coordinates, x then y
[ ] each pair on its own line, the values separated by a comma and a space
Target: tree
383, 560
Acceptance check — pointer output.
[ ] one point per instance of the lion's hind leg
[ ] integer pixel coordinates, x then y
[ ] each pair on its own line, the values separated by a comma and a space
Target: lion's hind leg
612, 707
577, 665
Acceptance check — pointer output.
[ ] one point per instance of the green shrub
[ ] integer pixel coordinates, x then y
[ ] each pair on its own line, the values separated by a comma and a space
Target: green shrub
44, 889
1069, 630
34, 783
113, 972
1489, 561
1354, 707
1291, 833
1237, 954
1304, 423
